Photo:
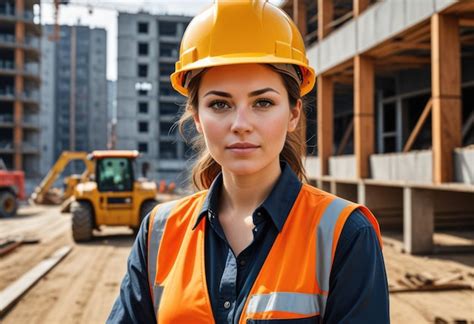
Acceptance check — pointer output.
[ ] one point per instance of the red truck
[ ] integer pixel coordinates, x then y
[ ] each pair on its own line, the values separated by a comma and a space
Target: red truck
12, 188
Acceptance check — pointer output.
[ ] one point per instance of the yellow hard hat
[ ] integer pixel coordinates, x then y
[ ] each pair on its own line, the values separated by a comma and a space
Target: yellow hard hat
241, 31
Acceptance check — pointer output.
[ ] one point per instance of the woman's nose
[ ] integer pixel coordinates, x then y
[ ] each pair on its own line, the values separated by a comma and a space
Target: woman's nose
242, 122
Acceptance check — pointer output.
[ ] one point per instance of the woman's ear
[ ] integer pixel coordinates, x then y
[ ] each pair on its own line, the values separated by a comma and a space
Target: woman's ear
197, 122
295, 114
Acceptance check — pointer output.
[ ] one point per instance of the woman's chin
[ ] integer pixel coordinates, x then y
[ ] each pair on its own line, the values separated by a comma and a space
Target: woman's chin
242, 168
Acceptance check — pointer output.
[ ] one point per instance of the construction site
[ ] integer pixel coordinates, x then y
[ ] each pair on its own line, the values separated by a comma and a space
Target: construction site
390, 125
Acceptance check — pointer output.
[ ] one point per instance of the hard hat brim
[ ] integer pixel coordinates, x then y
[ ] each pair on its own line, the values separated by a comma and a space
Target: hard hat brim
177, 78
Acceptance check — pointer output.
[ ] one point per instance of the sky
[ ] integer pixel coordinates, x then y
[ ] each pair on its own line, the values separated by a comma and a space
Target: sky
103, 14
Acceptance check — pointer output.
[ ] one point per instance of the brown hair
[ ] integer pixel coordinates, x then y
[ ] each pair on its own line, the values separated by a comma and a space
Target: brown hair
206, 169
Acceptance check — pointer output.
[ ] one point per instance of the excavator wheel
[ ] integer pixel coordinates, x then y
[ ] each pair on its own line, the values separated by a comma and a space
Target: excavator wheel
8, 204
82, 221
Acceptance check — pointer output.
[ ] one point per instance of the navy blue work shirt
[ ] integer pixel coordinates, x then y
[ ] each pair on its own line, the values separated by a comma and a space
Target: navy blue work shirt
358, 282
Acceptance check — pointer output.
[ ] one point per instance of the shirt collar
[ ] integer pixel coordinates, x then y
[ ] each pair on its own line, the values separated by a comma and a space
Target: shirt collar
277, 205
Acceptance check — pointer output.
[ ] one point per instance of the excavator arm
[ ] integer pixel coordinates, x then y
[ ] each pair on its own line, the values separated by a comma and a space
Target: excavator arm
57, 169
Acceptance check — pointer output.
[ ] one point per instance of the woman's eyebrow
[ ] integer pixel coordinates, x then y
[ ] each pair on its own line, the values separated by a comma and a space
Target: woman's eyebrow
251, 94
259, 92
219, 93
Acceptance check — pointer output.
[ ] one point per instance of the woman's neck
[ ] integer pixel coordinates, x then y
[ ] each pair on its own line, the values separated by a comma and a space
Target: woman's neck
242, 194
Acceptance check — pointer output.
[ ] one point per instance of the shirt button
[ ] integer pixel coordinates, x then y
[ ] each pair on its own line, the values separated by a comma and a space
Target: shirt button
259, 213
227, 305
255, 230
242, 262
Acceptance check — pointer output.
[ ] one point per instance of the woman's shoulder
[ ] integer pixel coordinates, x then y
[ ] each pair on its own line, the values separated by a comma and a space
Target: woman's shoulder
356, 219
164, 210
181, 200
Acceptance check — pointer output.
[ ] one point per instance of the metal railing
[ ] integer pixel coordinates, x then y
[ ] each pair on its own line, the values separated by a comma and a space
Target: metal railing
6, 145
26, 146
29, 41
7, 65
32, 68
7, 9
32, 42
30, 95
29, 15
7, 91
30, 120
6, 118
7, 38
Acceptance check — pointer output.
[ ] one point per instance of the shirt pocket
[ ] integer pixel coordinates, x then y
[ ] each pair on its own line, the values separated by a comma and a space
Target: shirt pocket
307, 320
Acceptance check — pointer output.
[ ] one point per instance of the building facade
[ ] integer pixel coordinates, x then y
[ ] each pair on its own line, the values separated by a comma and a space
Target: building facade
20, 81
111, 114
74, 95
394, 109
147, 105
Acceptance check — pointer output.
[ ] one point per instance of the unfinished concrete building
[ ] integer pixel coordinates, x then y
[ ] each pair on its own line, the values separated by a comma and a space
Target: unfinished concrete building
19, 86
392, 127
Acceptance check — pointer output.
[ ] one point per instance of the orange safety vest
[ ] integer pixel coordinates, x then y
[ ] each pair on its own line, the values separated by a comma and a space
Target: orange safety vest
293, 282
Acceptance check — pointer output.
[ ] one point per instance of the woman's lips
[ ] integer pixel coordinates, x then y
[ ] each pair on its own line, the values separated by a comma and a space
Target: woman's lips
242, 147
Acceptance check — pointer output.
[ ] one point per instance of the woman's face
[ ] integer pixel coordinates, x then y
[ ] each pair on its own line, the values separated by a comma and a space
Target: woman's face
244, 115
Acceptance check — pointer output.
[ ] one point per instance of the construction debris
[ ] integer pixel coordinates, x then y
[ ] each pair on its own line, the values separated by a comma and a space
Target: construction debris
425, 281
10, 295
9, 244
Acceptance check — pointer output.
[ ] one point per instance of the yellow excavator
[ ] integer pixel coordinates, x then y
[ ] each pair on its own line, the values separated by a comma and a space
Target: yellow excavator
107, 193
42, 193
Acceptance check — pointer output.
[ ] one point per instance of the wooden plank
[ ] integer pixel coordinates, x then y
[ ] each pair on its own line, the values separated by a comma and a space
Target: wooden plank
343, 79
325, 113
421, 31
451, 286
466, 22
299, 16
407, 60
364, 140
10, 295
393, 48
468, 125
340, 67
418, 126
325, 16
345, 138
8, 247
359, 6
446, 94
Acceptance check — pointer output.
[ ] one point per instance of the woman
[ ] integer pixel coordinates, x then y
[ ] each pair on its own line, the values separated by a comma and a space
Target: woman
255, 245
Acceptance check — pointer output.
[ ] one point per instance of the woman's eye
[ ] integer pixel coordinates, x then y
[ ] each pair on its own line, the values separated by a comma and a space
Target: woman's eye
218, 105
264, 103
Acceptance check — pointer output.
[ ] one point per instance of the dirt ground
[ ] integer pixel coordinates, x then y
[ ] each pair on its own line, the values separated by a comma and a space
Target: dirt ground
82, 287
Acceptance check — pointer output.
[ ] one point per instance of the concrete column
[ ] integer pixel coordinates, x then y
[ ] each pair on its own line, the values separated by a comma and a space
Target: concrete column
446, 94
361, 194
418, 220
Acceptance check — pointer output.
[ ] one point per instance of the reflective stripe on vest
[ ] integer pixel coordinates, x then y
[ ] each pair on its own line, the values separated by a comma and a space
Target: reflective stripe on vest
155, 233
325, 239
305, 304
